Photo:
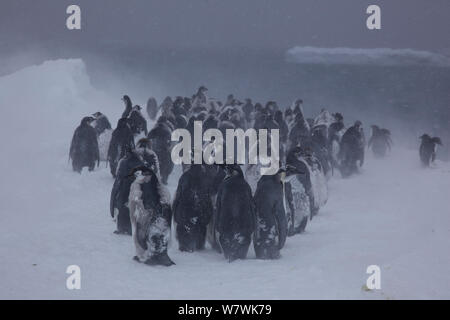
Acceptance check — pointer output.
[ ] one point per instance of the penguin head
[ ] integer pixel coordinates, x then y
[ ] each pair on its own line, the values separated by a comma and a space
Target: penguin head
233, 170
358, 124
338, 116
258, 107
437, 140
87, 120
142, 174
126, 99
425, 137
291, 172
97, 115
143, 143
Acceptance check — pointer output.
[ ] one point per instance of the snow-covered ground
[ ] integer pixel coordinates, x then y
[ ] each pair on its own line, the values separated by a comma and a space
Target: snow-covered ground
395, 215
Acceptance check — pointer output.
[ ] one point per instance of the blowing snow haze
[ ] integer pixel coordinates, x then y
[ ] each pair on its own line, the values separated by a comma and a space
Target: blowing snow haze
392, 213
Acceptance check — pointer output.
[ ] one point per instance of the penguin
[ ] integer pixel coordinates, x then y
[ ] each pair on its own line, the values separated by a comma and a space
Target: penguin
128, 106
318, 143
288, 116
230, 100
192, 208
427, 149
152, 108
166, 106
84, 150
318, 181
141, 156
160, 137
380, 141
121, 140
297, 107
299, 193
187, 104
200, 98
138, 124
351, 151
215, 175
177, 108
150, 216
104, 132
271, 223
335, 132
299, 131
235, 214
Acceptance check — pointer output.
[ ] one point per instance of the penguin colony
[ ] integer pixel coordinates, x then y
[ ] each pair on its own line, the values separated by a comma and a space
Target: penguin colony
229, 206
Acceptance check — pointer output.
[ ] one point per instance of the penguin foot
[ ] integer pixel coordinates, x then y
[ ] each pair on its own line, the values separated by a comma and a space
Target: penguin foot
291, 231
162, 260
303, 224
122, 232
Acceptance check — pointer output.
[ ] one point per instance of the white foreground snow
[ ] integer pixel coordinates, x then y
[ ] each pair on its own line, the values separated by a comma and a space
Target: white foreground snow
395, 215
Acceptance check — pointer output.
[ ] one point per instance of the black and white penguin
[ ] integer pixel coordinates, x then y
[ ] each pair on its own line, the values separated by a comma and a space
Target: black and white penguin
150, 216
380, 141
351, 151
192, 208
160, 137
141, 156
177, 107
335, 132
104, 133
166, 107
121, 140
84, 150
427, 150
200, 98
152, 108
271, 223
138, 124
235, 214
318, 144
300, 129
299, 194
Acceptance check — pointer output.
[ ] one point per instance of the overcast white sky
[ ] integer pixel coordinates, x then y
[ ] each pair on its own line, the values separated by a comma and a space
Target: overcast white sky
258, 24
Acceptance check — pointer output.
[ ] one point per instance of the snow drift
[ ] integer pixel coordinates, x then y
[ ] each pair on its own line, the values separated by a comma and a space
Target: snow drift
376, 57
394, 215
